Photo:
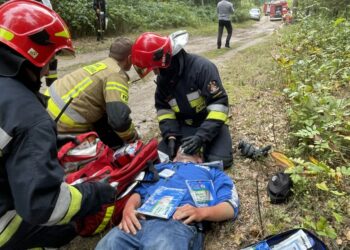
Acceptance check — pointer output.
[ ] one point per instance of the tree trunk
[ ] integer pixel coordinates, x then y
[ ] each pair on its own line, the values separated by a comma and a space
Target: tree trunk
295, 9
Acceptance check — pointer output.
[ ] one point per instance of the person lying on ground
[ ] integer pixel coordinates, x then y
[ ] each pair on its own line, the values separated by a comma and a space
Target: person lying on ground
184, 230
98, 94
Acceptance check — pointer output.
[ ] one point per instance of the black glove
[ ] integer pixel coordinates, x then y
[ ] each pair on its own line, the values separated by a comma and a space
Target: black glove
248, 150
63, 139
191, 144
172, 147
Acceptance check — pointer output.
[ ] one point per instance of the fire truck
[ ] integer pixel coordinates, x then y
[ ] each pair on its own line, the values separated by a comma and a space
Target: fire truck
275, 9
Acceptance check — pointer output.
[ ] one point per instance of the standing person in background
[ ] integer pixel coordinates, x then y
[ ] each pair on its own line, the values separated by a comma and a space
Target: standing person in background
98, 95
37, 208
100, 7
224, 10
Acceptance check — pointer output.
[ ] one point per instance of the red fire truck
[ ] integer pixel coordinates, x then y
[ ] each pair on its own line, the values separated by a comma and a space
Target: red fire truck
275, 9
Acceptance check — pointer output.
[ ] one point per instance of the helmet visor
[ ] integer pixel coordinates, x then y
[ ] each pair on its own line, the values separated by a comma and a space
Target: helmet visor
142, 72
65, 54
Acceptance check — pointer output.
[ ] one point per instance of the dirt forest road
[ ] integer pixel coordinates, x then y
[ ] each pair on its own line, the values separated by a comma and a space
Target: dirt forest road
141, 95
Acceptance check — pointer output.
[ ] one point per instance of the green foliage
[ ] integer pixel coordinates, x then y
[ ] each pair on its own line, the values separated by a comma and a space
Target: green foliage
325, 7
78, 14
316, 184
134, 15
314, 60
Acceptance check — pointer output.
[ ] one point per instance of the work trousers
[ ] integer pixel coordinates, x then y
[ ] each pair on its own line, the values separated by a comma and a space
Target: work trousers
228, 26
155, 234
220, 148
28, 236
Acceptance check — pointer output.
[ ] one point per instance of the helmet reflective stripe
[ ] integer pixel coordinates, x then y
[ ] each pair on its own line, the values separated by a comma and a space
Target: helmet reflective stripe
24, 23
7, 35
4, 139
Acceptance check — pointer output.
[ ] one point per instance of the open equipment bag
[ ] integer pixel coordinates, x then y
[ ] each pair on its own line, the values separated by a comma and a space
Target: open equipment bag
91, 160
301, 239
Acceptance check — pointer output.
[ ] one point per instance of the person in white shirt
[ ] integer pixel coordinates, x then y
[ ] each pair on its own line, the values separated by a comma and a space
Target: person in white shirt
224, 10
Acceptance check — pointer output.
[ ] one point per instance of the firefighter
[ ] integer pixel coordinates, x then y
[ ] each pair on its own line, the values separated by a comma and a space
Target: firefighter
192, 105
37, 208
98, 96
100, 10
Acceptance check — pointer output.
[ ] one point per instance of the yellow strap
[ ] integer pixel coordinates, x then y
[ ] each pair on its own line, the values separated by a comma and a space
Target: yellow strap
52, 76
10, 230
216, 115
106, 219
94, 68
166, 116
75, 204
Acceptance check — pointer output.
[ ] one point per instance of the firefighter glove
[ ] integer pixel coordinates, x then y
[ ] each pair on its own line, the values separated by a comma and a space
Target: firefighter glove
191, 144
172, 147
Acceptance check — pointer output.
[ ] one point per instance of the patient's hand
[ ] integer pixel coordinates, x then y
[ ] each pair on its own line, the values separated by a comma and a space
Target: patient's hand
188, 214
130, 221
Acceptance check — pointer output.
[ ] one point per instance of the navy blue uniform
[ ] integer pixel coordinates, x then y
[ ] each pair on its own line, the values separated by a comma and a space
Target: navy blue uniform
34, 199
194, 102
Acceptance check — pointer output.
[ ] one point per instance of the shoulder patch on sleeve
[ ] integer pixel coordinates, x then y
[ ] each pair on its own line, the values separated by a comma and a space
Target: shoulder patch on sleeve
213, 87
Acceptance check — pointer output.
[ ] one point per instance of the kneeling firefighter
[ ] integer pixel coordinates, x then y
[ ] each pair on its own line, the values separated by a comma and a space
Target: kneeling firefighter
191, 102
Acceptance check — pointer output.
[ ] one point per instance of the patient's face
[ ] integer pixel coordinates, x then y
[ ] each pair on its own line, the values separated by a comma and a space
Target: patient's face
181, 157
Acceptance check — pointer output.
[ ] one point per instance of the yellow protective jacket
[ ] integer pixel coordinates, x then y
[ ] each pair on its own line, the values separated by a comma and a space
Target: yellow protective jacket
97, 89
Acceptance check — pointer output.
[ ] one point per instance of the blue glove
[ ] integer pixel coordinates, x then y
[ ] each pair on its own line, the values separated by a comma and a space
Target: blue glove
191, 144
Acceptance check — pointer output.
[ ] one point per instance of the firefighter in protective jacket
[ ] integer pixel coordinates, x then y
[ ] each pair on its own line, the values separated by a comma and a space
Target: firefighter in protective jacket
191, 103
36, 206
99, 97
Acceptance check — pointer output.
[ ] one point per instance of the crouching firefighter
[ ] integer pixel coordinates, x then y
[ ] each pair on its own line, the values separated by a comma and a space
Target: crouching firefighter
95, 97
37, 208
191, 102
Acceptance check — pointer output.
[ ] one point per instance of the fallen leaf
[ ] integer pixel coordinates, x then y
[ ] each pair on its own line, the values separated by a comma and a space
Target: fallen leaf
282, 159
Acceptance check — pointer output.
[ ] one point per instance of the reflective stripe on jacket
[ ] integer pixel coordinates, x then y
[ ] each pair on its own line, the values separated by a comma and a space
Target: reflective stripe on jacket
92, 88
31, 179
197, 98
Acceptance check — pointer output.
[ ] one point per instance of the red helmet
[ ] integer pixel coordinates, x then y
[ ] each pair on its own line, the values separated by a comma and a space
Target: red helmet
34, 31
151, 51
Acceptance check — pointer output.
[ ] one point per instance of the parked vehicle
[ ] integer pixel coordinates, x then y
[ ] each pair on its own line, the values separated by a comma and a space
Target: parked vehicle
255, 14
278, 9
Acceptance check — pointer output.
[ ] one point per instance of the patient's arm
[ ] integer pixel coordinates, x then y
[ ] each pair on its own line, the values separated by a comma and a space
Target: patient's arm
130, 222
220, 212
